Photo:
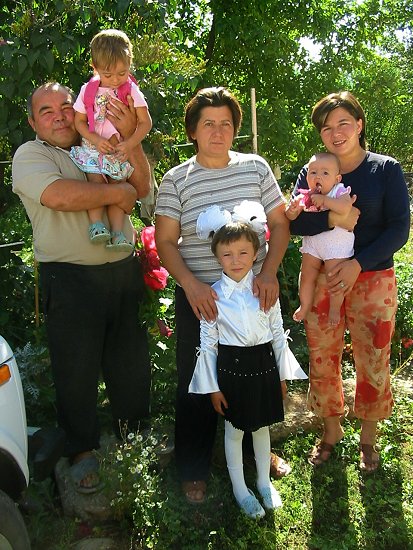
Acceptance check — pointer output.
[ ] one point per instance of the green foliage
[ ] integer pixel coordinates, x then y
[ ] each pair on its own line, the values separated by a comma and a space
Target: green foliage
16, 299
17, 296
403, 337
16, 279
180, 46
43, 41
135, 486
38, 388
288, 277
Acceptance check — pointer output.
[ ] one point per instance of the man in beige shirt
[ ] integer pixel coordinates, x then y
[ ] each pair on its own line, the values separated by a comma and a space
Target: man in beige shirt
91, 295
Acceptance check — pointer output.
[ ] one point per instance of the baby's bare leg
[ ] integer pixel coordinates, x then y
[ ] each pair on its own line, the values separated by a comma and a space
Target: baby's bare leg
96, 214
336, 300
310, 268
116, 215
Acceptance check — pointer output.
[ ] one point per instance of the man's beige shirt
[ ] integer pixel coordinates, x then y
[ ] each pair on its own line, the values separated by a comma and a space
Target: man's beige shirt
57, 236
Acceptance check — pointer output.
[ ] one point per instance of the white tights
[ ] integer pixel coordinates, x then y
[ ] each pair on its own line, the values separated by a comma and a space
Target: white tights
233, 453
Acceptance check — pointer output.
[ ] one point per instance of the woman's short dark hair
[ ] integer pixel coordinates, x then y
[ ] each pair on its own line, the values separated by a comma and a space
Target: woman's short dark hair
211, 97
347, 101
232, 232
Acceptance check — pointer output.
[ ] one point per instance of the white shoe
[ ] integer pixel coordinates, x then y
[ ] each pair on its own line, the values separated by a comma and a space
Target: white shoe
251, 507
270, 498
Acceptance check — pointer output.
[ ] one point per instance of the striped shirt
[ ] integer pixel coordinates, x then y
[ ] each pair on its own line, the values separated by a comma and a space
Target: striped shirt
188, 189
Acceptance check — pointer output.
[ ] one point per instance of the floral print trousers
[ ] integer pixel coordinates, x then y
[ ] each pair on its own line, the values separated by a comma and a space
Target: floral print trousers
368, 312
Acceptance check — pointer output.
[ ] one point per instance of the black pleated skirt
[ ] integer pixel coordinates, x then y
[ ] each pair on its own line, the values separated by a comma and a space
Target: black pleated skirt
248, 377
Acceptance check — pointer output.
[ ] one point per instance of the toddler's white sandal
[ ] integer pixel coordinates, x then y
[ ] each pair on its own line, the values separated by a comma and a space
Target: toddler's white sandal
270, 498
251, 507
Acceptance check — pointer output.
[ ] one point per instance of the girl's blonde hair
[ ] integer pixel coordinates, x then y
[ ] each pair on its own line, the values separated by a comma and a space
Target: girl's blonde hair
109, 47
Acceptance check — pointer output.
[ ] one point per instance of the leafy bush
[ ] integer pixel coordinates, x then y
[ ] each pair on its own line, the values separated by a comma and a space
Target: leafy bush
136, 486
403, 336
17, 296
37, 382
16, 299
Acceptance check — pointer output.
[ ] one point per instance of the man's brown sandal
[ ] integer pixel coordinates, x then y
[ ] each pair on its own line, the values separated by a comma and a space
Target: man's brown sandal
194, 491
369, 459
320, 453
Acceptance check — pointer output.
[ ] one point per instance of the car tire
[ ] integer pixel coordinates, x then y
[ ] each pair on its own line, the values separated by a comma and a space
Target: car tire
13, 532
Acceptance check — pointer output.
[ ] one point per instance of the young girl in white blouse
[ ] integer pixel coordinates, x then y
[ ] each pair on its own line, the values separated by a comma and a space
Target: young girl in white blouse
244, 353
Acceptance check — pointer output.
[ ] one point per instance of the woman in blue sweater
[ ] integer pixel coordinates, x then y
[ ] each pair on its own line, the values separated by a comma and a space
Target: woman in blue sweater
367, 279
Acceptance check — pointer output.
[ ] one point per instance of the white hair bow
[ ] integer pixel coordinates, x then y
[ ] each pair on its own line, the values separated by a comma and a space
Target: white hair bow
214, 217
252, 213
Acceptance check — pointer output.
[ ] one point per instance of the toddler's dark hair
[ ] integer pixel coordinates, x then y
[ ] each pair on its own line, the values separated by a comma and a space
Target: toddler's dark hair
232, 232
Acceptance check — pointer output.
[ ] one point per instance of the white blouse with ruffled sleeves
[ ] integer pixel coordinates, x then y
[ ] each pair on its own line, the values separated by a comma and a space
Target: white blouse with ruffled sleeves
241, 322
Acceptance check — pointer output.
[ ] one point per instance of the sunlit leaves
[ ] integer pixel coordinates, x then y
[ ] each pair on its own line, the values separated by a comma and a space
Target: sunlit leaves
182, 45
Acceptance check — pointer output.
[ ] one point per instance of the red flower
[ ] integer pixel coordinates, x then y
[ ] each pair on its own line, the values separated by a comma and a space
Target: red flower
156, 279
407, 342
155, 276
152, 259
148, 238
164, 330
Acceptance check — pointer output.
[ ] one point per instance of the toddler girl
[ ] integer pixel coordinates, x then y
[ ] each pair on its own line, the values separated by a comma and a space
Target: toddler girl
102, 154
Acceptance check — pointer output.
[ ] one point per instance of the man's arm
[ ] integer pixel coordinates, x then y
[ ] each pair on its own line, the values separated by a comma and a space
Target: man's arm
68, 195
123, 117
38, 176
141, 176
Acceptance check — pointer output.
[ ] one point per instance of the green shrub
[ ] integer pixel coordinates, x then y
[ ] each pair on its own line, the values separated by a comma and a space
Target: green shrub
36, 376
135, 485
403, 336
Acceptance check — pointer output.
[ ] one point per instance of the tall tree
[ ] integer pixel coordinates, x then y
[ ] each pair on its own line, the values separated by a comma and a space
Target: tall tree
43, 40
182, 45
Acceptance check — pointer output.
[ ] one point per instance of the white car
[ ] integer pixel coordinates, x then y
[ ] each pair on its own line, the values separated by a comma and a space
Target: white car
14, 471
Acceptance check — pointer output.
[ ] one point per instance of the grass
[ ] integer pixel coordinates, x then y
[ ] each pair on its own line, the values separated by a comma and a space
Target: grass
334, 507
331, 508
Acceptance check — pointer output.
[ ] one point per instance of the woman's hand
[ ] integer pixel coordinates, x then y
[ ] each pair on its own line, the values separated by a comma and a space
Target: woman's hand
266, 287
219, 402
202, 299
341, 278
